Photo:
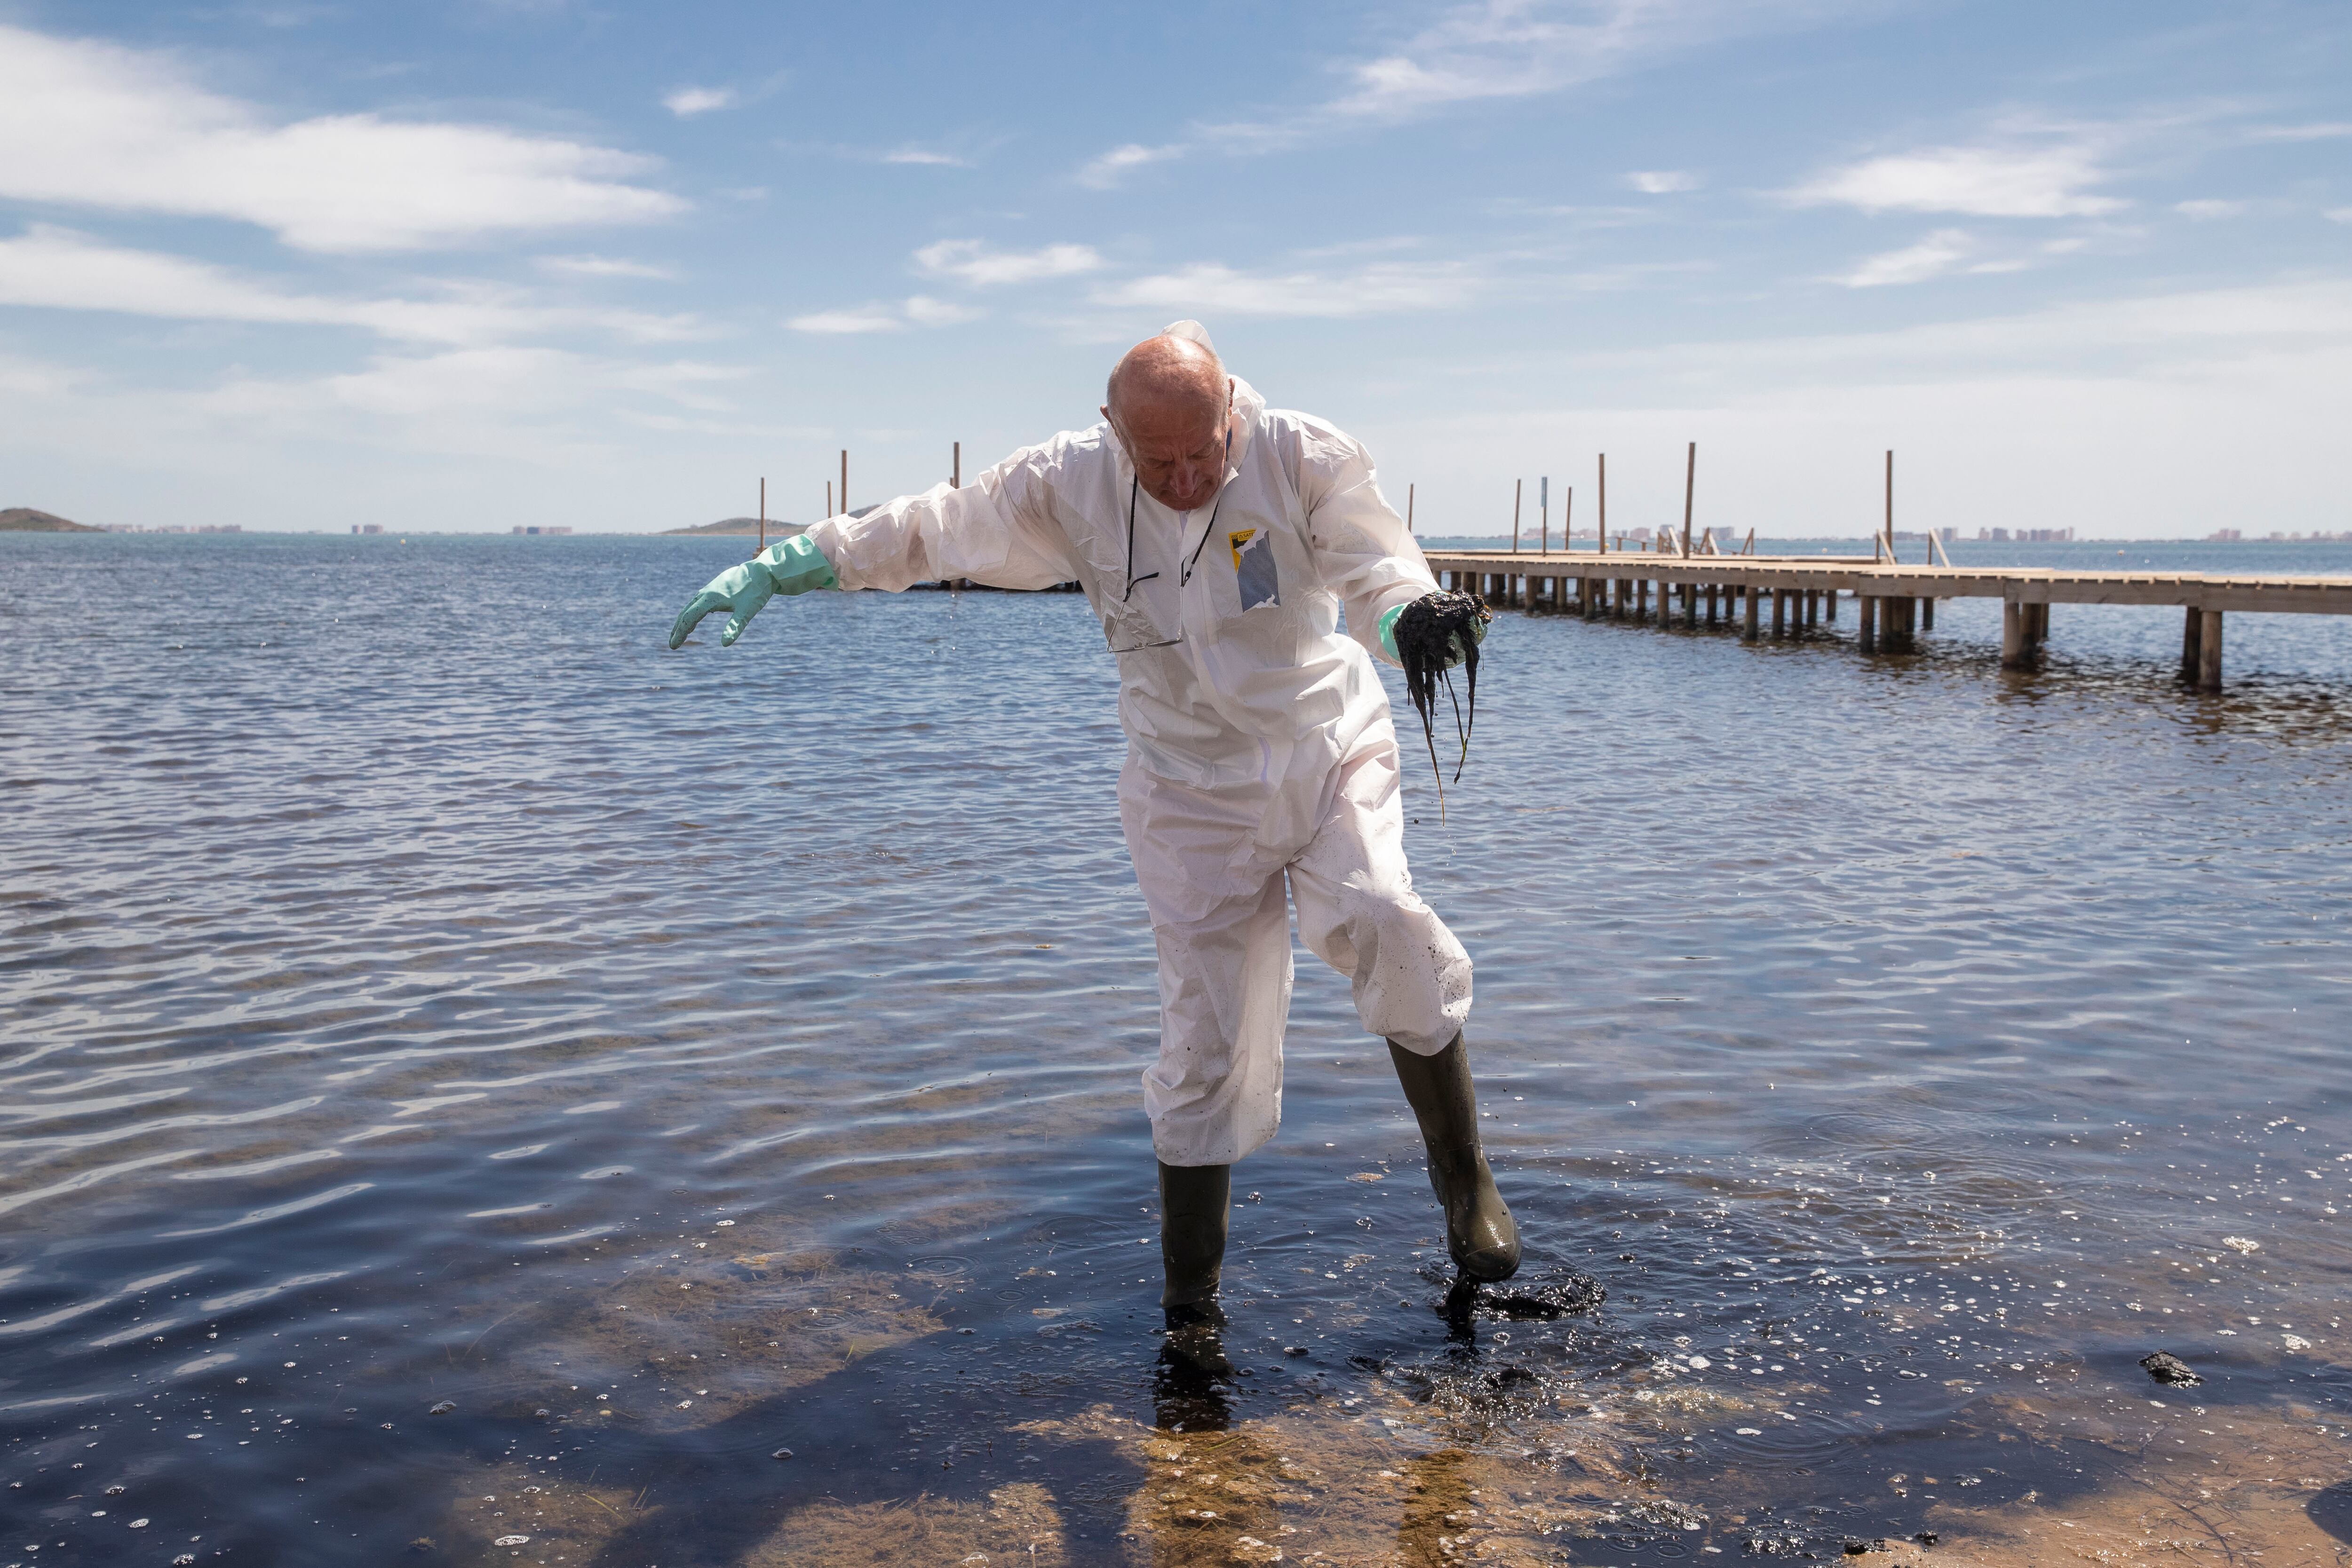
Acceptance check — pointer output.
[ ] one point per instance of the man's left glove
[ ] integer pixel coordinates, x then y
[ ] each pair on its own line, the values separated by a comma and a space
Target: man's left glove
1476, 622
795, 566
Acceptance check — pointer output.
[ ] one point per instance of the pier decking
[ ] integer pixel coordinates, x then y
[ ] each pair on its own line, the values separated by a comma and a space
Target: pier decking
1894, 602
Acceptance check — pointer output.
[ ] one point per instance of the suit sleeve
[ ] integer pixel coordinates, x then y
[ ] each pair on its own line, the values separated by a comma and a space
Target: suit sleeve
1000, 529
1363, 549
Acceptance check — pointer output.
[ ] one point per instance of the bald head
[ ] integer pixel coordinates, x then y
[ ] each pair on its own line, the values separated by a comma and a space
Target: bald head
1169, 401
1166, 370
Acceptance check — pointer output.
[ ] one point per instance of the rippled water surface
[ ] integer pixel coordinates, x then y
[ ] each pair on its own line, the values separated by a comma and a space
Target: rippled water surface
479, 1084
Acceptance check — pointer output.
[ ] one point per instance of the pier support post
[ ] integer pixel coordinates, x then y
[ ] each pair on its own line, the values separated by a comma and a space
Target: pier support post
1779, 613
2013, 646
2192, 624
2208, 650
1928, 613
1749, 592
1832, 596
1690, 605
1868, 637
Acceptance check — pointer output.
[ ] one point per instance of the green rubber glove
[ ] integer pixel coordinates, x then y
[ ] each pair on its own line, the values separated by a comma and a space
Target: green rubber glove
1388, 636
795, 566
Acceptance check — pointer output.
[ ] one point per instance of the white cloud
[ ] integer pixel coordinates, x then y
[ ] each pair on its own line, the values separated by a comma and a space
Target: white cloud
92, 124
1661, 181
2338, 214
2326, 131
603, 267
916, 311
1493, 51
969, 261
1992, 181
1498, 50
688, 101
2140, 417
526, 416
1938, 254
1104, 173
55, 268
1381, 288
843, 323
1513, 49
2205, 210
925, 311
922, 156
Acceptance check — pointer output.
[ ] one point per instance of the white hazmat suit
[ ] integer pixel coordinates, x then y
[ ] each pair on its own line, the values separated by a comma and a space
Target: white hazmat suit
1261, 755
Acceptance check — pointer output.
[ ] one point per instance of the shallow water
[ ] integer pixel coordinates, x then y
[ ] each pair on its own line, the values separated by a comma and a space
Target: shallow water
423, 987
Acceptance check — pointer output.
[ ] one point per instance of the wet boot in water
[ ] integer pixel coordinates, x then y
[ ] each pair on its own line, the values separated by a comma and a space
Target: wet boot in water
1195, 1203
1479, 1231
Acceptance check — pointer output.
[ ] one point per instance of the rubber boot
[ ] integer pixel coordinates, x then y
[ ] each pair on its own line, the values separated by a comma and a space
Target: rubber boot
1479, 1231
1195, 1202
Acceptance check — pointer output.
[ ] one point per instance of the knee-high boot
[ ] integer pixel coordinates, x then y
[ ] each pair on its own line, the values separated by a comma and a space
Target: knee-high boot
1479, 1231
1195, 1204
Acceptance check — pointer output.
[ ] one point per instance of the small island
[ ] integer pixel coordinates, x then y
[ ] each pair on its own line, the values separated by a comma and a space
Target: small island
29, 520
750, 528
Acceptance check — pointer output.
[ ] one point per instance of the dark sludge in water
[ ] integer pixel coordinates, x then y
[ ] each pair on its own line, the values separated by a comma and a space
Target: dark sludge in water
2168, 1368
1469, 1387
1532, 1295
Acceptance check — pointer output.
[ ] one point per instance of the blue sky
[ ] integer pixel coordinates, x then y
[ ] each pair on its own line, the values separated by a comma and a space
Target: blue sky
462, 264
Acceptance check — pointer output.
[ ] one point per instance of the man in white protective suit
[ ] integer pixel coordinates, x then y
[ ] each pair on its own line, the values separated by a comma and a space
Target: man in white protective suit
1218, 541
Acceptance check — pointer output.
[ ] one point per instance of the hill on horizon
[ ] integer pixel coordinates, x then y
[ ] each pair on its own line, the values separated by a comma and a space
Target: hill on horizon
30, 520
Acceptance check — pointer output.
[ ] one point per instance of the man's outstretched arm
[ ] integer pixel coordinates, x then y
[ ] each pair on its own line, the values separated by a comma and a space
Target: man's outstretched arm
997, 530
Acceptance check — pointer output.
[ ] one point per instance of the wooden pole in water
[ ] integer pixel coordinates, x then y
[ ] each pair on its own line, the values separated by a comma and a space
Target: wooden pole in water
1604, 502
828, 498
1543, 510
763, 512
845, 481
1408, 508
1890, 504
2208, 651
1690, 489
1517, 485
1567, 517
955, 474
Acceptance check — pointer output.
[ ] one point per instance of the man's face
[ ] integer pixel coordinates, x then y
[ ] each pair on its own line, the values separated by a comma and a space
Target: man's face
1178, 448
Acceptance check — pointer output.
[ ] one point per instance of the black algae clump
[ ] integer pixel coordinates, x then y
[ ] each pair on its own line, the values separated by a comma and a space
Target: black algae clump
2166, 1368
1428, 634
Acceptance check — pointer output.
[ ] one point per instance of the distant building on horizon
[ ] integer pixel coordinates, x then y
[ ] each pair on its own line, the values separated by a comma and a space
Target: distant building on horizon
2022, 535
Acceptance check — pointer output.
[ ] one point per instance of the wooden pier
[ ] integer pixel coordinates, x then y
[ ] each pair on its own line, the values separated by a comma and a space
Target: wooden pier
1893, 602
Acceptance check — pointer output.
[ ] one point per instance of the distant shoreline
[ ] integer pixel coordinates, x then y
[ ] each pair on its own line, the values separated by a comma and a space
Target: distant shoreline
31, 520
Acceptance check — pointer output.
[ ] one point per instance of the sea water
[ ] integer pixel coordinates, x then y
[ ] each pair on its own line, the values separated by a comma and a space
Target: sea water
477, 1080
